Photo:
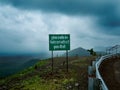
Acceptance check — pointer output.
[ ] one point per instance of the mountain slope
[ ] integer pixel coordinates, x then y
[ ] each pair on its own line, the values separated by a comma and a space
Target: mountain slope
12, 64
78, 52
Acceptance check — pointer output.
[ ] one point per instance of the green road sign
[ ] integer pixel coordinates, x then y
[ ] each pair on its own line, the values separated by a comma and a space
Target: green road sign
59, 42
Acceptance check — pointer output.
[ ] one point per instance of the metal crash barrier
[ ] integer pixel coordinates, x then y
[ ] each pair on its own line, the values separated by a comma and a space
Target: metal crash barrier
95, 81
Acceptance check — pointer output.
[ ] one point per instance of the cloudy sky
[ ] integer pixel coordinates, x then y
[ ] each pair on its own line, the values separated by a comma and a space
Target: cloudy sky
26, 24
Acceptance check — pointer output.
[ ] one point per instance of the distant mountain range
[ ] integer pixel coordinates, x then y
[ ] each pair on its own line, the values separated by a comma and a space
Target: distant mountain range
12, 64
100, 53
78, 52
101, 50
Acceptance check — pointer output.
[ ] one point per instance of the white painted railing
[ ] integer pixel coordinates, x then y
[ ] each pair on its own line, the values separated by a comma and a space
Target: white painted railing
103, 85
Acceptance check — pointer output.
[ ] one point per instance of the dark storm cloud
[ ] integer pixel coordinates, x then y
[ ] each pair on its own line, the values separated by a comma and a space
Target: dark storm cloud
66, 6
103, 9
24, 23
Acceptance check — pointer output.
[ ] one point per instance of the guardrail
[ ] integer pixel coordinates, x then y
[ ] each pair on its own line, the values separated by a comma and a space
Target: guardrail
95, 81
103, 85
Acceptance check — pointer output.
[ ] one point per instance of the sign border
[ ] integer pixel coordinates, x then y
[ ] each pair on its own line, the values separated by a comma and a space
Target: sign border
68, 48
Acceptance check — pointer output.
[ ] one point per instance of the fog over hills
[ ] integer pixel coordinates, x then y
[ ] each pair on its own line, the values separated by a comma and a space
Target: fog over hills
12, 64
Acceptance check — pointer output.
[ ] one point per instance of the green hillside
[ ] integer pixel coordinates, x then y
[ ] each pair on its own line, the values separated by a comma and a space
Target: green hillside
40, 77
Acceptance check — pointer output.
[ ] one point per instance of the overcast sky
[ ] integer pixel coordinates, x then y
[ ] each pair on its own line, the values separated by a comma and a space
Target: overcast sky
26, 24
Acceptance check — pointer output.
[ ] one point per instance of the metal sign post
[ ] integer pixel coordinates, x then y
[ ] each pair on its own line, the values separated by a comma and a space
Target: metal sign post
52, 61
67, 60
59, 42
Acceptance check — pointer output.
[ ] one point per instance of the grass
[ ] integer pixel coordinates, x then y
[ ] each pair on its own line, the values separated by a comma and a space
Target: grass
36, 83
24, 72
40, 77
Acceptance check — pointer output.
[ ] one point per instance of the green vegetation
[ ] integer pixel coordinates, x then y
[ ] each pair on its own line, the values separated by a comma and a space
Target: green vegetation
40, 77
36, 83
92, 52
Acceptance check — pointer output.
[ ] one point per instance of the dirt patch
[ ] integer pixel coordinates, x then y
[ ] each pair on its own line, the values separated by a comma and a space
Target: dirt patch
117, 71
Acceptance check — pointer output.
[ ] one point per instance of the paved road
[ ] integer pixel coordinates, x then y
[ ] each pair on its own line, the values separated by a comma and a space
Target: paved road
110, 71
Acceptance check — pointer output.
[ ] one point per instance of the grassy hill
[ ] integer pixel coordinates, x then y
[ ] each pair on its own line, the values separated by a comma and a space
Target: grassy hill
11, 64
40, 77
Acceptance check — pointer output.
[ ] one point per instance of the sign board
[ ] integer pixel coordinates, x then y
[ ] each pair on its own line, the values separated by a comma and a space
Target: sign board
59, 42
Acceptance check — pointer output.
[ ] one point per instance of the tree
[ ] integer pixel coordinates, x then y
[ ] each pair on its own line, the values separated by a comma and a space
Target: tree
92, 52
